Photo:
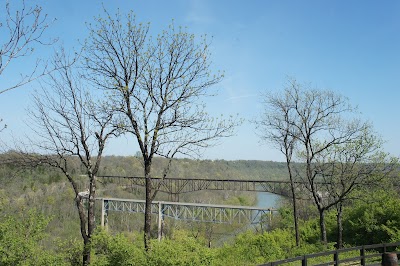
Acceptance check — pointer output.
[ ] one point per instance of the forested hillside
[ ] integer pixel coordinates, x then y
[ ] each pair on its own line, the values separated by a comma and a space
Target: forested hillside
188, 168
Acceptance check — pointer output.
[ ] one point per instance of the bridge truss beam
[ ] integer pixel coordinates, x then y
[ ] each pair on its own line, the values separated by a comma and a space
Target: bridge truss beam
176, 186
186, 211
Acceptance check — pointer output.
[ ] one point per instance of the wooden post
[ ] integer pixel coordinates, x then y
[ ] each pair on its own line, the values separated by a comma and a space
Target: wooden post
336, 258
362, 255
304, 261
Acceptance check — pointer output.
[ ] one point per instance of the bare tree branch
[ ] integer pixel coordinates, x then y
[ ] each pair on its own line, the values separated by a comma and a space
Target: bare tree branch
21, 32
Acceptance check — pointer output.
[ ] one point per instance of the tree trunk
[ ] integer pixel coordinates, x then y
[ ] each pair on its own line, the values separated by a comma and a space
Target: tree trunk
82, 219
147, 210
91, 220
86, 238
91, 207
339, 226
322, 225
295, 216
86, 252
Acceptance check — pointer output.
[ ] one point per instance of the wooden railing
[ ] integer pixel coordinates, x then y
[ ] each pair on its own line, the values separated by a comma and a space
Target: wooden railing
368, 255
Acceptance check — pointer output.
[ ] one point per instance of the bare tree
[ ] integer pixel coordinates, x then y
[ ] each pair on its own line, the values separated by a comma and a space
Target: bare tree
318, 125
156, 85
70, 122
21, 31
275, 126
321, 124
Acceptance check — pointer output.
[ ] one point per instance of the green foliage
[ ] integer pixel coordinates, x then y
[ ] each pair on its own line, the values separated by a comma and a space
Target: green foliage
181, 249
374, 221
116, 250
310, 229
286, 217
250, 248
120, 250
20, 240
71, 250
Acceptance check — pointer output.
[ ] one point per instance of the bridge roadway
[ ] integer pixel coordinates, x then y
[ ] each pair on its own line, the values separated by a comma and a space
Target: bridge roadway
176, 186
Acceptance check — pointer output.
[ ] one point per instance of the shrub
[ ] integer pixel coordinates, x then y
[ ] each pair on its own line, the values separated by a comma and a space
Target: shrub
116, 250
375, 221
181, 249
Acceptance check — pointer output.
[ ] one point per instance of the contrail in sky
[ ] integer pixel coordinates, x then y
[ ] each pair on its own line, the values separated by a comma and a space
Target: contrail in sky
240, 97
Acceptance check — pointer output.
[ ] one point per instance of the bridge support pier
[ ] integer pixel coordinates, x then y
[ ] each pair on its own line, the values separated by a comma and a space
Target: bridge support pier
160, 220
104, 214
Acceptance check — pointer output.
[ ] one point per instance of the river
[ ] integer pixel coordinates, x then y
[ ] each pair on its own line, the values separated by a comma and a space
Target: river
267, 200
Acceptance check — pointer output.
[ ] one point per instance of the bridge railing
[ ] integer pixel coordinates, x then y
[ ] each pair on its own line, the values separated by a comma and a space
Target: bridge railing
366, 255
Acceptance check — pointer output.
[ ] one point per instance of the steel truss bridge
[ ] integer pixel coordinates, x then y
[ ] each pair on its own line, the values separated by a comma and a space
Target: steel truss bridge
186, 211
176, 186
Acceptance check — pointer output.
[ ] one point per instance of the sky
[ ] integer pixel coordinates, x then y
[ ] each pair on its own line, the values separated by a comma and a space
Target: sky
350, 47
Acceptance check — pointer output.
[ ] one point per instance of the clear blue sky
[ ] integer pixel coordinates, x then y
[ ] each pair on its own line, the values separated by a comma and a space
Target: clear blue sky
352, 47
